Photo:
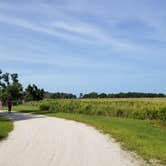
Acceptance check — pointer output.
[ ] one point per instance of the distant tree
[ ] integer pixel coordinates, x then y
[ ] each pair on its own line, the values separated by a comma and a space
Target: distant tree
59, 95
32, 92
81, 95
91, 95
102, 95
123, 95
47, 95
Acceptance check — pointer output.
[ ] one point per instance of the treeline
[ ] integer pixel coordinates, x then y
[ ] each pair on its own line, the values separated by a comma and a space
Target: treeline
122, 95
12, 89
95, 95
59, 95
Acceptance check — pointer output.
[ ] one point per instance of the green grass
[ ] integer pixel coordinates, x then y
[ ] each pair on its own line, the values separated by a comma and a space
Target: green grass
6, 126
25, 108
145, 137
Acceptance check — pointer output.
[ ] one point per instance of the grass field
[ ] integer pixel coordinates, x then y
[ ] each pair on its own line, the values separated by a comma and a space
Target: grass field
5, 127
146, 135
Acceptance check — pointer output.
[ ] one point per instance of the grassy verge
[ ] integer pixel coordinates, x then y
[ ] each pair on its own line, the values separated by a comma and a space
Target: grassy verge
145, 137
5, 127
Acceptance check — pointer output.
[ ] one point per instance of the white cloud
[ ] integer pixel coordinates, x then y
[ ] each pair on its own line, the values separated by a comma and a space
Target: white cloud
88, 34
57, 21
38, 28
74, 27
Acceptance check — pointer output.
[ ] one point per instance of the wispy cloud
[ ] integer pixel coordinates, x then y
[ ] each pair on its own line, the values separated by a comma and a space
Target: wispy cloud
80, 32
37, 28
66, 27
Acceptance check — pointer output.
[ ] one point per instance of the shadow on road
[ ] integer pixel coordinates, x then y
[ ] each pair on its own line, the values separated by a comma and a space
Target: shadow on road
15, 116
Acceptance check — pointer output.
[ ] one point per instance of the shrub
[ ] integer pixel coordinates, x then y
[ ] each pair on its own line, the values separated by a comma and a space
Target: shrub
44, 107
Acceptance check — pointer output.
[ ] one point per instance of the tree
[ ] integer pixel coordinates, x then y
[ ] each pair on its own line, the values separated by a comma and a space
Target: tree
102, 95
10, 87
14, 77
32, 92
91, 95
81, 95
59, 95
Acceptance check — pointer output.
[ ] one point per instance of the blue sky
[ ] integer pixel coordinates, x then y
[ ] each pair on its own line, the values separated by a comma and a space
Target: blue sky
83, 46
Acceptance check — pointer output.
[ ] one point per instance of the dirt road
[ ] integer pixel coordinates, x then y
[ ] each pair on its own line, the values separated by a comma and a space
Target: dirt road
46, 141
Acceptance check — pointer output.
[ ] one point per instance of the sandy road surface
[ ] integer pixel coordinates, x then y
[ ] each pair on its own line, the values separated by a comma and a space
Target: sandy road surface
46, 141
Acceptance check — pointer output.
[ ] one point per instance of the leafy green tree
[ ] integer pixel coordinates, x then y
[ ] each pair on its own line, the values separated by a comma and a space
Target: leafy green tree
32, 92
10, 87
14, 77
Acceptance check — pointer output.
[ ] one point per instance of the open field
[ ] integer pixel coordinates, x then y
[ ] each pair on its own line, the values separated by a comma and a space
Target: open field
139, 124
128, 108
5, 127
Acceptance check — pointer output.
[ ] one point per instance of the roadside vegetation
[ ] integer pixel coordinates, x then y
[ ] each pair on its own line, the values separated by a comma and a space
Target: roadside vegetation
138, 124
6, 126
125, 108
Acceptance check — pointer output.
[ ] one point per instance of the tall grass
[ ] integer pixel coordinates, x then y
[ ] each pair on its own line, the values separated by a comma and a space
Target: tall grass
127, 108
